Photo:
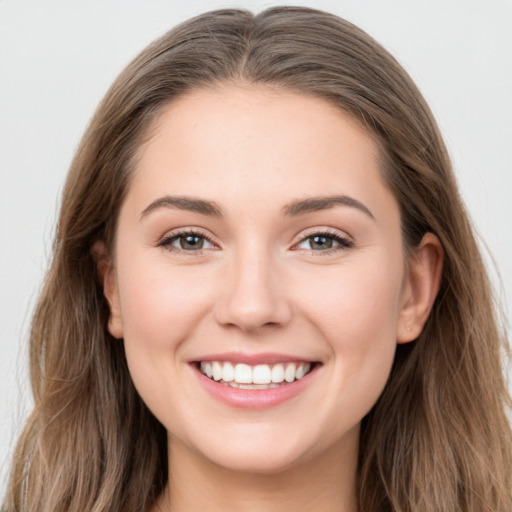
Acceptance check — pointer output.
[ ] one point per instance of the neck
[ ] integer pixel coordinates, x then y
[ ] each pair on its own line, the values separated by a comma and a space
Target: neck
326, 483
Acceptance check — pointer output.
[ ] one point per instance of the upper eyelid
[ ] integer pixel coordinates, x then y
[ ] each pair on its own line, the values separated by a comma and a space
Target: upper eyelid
173, 235
188, 230
303, 235
344, 243
323, 231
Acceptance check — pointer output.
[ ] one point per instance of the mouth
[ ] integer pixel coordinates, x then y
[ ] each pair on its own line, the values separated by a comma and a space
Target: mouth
255, 381
255, 377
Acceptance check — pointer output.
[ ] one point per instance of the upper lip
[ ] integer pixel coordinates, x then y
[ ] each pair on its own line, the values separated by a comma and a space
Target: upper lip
253, 359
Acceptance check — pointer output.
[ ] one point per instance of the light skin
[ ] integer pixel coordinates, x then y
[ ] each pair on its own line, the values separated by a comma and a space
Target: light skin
276, 169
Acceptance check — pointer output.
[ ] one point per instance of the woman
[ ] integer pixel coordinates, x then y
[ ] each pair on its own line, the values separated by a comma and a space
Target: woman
265, 291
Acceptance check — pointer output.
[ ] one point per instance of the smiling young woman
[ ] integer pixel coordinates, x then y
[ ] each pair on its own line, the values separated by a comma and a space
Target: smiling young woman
265, 291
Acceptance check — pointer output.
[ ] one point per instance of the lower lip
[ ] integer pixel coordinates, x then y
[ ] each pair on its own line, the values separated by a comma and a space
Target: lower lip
255, 398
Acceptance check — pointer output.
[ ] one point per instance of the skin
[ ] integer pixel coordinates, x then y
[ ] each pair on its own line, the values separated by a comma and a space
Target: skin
261, 286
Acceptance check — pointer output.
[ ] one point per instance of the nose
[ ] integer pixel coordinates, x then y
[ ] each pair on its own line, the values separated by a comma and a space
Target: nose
253, 296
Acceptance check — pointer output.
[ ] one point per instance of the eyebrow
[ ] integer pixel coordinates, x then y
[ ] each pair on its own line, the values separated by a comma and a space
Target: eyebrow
293, 209
190, 204
314, 204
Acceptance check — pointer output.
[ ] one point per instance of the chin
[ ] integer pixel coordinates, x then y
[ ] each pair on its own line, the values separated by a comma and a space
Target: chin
255, 461
258, 454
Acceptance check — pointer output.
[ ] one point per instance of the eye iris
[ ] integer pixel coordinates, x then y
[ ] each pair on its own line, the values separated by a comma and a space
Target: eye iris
193, 242
321, 242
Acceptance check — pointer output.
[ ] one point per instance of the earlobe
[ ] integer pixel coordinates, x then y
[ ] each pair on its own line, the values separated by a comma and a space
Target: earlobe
421, 288
106, 276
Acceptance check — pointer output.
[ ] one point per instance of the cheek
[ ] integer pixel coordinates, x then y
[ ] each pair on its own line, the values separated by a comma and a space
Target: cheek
161, 306
356, 312
353, 300
160, 303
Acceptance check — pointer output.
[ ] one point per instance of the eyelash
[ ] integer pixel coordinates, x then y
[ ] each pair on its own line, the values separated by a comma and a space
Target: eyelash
168, 240
344, 243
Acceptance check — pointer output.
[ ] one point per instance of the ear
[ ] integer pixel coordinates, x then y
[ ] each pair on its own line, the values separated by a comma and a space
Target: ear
420, 287
107, 278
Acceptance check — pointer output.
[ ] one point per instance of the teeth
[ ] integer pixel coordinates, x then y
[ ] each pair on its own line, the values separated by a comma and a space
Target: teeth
261, 376
216, 370
251, 386
228, 372
300, 372
207, 369
289, 373
243, 374
278, 373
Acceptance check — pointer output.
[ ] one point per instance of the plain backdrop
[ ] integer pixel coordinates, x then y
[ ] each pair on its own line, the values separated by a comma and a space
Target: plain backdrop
57, 59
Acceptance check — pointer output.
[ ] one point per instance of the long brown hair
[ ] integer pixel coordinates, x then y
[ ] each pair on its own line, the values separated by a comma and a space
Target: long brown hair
438, 438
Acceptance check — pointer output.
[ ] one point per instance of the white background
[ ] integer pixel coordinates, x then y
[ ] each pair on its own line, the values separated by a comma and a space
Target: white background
57, 59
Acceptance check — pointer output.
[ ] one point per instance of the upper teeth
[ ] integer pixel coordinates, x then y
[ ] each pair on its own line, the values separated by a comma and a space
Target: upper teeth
259, 374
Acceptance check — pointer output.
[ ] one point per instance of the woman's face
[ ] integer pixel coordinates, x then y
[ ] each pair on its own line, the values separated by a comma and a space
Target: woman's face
258, 238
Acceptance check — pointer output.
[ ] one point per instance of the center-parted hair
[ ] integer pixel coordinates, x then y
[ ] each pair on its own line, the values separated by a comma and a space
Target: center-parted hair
438, 438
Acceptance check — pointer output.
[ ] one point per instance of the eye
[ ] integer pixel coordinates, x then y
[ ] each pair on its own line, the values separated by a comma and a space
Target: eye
324, 242
187, 241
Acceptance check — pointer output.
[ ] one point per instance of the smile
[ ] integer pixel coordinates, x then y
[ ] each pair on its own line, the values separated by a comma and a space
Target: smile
255, 381
261, 376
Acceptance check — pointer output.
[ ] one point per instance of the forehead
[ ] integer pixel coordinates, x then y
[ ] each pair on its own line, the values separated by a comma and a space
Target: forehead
255, 143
